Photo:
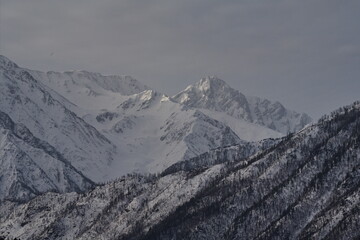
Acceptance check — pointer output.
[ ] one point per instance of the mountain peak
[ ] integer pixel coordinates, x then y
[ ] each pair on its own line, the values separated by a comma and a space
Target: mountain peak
212, 80
208, 88
209, 83
212, 93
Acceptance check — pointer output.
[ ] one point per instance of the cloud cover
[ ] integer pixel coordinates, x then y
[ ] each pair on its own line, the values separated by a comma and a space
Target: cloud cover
305, 54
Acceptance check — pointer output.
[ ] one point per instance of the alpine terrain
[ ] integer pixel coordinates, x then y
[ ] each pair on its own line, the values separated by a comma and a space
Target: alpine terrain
65, 132
302, 186
88, 156
179, 120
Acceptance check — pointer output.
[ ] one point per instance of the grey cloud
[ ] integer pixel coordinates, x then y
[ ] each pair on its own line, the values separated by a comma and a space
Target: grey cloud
302, 53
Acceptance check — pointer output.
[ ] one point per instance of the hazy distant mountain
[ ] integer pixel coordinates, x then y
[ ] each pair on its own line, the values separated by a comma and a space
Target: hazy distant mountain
213, 93
90, 90
107, 126
303, 186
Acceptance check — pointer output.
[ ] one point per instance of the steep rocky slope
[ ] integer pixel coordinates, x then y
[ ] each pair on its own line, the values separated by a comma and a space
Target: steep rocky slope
214, 94
30, 166
29, 103
304, 186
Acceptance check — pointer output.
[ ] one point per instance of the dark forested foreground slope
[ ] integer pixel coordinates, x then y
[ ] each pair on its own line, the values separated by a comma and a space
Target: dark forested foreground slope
304, 186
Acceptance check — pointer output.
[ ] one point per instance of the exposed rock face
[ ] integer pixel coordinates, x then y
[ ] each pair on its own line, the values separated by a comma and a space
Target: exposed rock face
304, 186
214, 94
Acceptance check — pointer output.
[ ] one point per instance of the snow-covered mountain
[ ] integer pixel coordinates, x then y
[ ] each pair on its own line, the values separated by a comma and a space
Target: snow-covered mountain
107, 126
150, 129
154, 132
30, 166
303, 186
29, 103
214, 94
90, 90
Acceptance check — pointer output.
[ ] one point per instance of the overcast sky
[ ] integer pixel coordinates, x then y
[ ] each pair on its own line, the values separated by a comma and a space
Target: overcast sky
304, 53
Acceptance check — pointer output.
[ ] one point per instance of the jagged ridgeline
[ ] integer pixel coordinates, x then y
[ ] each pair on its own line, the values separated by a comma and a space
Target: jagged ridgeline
303, 186
76, 129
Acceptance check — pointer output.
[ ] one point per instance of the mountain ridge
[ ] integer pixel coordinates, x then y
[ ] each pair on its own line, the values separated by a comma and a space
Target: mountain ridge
28, 102
304, 186
215, 94
107, 126
19, 143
